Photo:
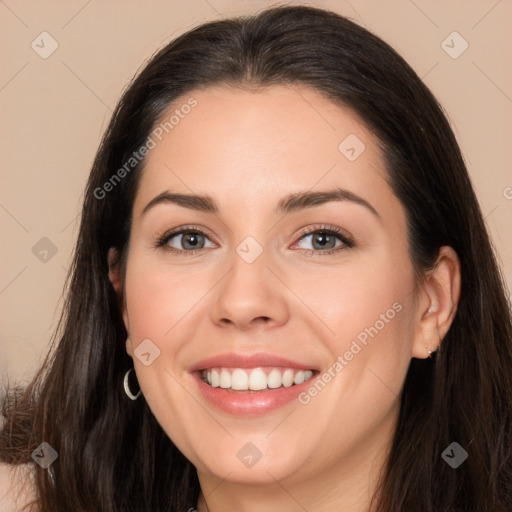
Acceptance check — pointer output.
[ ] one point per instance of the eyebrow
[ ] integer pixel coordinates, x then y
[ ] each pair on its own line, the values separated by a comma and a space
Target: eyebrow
291, 203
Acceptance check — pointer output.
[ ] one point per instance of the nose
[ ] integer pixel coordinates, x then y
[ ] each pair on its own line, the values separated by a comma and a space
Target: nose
250, 295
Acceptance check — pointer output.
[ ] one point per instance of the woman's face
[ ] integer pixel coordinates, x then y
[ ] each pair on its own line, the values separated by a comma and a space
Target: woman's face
284, 257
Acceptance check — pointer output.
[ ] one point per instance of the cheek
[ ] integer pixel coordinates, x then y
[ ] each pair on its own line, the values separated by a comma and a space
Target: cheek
369, 310
158, 297
367, 307
160, 302
361, 300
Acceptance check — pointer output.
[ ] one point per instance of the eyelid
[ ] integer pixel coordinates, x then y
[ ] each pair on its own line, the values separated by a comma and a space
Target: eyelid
345, 237
342, 235
161, 240
325, 228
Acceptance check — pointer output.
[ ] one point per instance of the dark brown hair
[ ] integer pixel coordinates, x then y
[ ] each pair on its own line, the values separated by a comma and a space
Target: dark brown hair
113, 455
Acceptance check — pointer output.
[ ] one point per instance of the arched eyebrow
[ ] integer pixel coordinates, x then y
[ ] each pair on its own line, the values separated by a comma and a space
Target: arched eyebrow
291, 203
302, 200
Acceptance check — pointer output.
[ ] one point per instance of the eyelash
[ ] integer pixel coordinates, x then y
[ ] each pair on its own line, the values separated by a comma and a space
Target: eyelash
348, 243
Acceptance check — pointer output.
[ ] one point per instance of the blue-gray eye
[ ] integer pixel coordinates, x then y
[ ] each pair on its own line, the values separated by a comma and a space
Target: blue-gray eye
188, 240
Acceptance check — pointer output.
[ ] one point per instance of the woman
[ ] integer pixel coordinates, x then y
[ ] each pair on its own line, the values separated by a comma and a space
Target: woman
283, 295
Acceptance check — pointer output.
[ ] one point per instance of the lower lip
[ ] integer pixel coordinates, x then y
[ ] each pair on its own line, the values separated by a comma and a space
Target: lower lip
250, 403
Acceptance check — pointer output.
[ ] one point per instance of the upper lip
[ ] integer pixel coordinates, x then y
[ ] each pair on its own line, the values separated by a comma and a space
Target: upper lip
232, 360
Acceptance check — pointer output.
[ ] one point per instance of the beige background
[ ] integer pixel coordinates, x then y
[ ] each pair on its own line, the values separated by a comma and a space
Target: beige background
54, 111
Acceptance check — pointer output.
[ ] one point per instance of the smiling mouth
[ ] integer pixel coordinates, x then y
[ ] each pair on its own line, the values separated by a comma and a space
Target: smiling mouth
255, 379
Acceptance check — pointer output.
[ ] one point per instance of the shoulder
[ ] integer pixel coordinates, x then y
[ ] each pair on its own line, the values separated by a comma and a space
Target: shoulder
17, 488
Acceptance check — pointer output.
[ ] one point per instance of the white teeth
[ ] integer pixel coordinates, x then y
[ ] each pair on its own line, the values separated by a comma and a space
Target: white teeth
215, 379
256, 379
287, 378
239, 380
299, 377
274, 379
225, 379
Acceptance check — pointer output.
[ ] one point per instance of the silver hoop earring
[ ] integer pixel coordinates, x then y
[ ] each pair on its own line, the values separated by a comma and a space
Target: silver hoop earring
127, 390
430, 352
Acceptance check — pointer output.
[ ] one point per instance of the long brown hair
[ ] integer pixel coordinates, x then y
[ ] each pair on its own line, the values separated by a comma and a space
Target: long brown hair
113, 454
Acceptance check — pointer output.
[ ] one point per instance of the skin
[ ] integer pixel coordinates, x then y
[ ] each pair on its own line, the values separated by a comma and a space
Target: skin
248, 150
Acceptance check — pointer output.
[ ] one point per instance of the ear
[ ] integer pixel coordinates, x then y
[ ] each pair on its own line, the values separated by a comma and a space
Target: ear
437, 303
114, 274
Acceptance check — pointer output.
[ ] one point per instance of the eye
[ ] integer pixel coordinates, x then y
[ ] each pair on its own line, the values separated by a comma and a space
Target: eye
185, 240
318, 240
324, 240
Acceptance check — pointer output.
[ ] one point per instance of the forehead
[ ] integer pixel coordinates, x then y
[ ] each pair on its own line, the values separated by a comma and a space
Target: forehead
240, 144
